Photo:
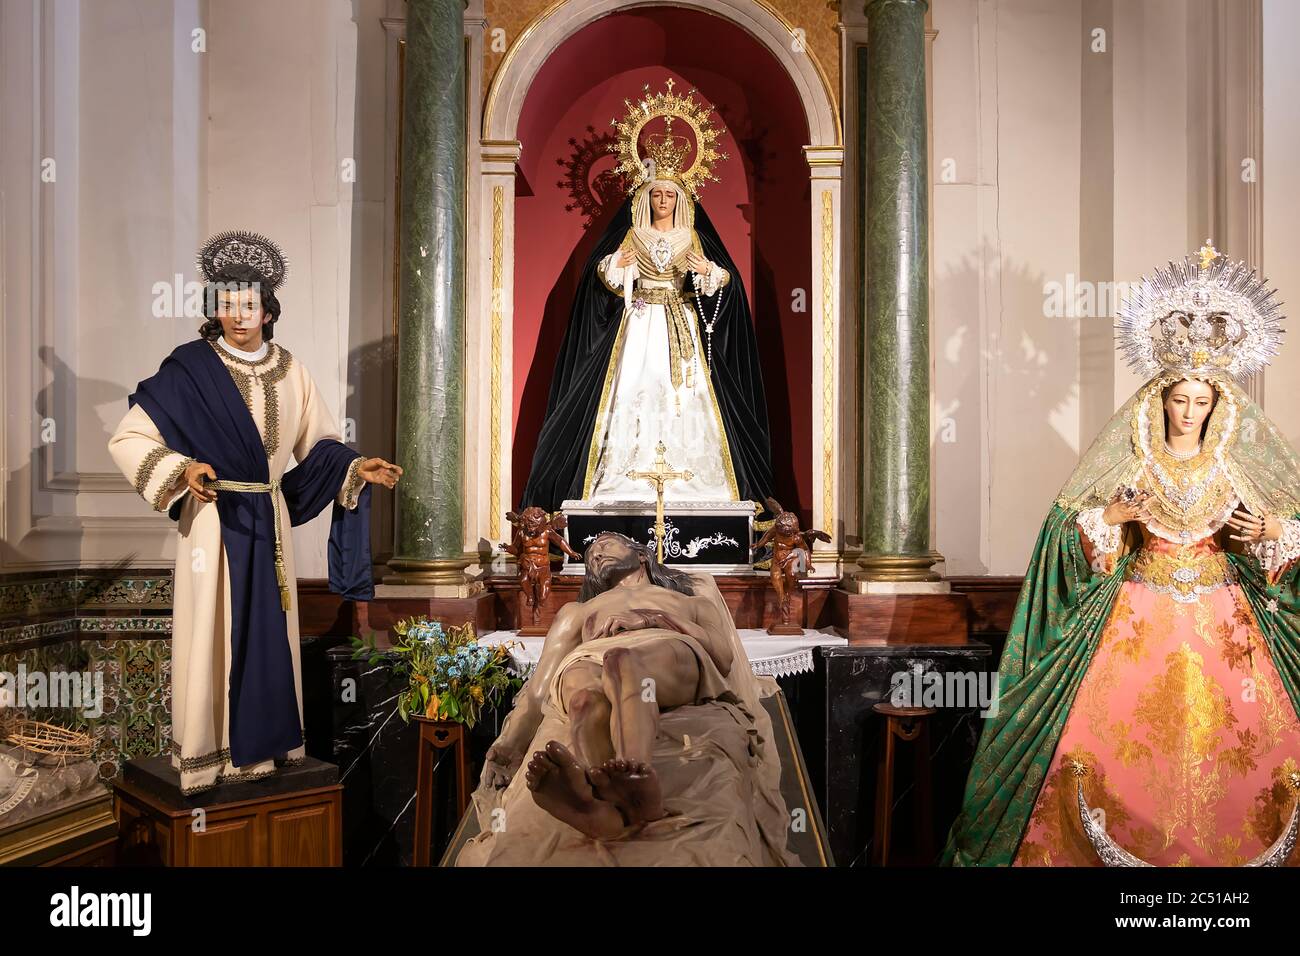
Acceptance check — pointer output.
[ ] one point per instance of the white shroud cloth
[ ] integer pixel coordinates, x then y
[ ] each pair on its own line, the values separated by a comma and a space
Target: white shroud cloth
200, 669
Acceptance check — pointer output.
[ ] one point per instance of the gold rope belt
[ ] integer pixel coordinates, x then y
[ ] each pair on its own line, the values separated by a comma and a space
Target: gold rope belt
681, 345
272, 488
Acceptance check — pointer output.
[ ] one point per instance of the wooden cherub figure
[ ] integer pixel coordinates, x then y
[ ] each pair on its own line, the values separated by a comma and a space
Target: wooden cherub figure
534, 533
791, 559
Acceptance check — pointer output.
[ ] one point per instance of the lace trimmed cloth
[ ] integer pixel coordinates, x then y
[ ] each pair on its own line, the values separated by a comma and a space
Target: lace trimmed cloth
770, 655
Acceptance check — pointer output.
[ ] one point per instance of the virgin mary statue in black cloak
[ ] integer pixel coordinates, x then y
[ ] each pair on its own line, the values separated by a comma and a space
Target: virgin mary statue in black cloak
660, 347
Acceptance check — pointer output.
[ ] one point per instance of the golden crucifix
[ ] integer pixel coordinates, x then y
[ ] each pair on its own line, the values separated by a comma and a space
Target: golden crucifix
659, 476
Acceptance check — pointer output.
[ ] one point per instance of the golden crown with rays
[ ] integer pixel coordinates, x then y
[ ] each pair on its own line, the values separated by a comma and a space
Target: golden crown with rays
666, 152
1202, 315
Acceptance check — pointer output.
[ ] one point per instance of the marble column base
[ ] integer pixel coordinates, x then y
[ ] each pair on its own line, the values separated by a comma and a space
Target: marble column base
861, 584
430, 572
899, 567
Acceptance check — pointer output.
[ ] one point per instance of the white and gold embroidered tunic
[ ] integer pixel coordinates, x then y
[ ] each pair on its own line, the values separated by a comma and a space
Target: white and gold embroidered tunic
291, 419
657, 386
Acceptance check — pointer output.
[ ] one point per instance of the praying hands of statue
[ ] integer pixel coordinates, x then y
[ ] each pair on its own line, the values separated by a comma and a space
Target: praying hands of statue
1253, 527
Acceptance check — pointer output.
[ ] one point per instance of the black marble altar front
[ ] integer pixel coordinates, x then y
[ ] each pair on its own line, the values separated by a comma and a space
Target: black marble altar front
841, 736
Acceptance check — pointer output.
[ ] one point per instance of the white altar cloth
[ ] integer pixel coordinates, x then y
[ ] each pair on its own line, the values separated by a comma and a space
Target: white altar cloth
770, 655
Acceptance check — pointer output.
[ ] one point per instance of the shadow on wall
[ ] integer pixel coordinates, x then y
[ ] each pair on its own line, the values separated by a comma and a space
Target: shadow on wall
1019, 368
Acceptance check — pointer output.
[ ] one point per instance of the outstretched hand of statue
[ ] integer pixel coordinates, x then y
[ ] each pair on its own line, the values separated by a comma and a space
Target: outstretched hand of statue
380, 472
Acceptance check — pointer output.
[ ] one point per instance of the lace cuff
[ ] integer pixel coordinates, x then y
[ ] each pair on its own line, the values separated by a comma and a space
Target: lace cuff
611, 273
352, 485
1104, 538
1273, 556
715, 280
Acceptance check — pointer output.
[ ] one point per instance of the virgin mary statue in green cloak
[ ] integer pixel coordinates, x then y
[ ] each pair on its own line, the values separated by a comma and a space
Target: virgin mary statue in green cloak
1150, 682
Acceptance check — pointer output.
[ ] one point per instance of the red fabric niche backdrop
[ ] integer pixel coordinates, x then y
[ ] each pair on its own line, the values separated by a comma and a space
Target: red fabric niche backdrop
761, 206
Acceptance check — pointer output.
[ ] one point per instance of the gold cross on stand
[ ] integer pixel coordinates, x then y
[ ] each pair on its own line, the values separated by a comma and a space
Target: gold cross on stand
659, 476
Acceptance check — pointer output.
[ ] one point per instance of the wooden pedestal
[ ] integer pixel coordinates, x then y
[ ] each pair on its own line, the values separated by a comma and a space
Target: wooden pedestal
901, 618
437, 735
383, 612
291, 818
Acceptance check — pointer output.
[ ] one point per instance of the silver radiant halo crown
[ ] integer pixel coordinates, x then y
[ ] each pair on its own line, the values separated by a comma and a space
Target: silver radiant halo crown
248, 248
1202, 315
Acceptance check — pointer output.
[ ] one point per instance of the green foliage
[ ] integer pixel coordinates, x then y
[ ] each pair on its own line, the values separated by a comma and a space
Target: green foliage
450, 676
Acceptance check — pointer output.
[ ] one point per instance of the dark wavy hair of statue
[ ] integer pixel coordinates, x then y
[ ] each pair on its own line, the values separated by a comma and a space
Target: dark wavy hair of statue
237, 275
660, 574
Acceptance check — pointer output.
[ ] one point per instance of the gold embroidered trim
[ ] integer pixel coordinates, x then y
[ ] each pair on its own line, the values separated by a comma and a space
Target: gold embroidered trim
681, 345
1183, 574
659, 295
210, 759
248, 363
722, 428
276, 363
227, 778
217, 757
160, 498
594, 450
144, 473
353, 483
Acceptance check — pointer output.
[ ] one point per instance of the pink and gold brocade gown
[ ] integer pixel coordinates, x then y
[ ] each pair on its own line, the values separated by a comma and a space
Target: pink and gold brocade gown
1182, 733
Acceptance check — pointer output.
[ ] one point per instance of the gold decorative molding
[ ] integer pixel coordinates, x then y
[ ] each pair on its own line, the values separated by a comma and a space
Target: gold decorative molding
494, 442
899, 567
503, 66
828, 362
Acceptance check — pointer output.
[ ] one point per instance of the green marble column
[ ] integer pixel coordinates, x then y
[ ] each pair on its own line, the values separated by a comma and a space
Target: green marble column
896, 334
429, 546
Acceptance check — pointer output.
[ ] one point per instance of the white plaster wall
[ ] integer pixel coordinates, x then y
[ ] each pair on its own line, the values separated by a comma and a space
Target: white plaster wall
1019, 394
1280, 179
160, 146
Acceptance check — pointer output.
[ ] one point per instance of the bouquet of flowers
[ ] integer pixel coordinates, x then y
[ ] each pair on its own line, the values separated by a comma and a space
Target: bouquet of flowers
450, 676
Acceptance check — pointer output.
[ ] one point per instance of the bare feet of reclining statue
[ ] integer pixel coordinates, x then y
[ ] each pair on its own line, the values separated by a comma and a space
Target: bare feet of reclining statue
613, 693
631, 786
560, 787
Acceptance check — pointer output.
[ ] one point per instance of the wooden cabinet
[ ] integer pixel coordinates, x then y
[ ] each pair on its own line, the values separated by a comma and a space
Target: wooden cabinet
232, 826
